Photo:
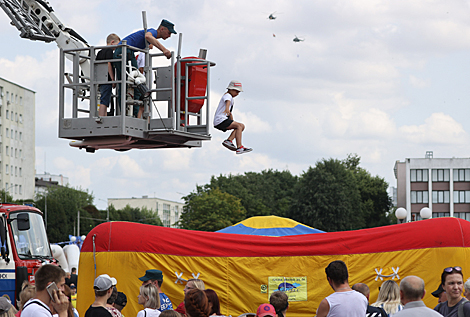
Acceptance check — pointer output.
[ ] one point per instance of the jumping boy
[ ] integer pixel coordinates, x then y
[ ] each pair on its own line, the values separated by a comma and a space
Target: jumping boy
223, 119
106, 89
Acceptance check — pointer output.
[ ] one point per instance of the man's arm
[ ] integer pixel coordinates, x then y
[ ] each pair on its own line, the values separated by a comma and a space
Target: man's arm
323, 308
152, 40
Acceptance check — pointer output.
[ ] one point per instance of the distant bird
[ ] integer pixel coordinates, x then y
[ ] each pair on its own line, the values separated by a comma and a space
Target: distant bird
272, 16
274, 35
297, 40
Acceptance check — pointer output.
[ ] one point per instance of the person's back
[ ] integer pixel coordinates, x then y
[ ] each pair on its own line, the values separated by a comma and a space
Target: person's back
350, 303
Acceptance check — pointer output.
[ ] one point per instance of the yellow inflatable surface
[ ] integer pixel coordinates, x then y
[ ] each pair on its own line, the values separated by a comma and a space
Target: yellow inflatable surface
244, 270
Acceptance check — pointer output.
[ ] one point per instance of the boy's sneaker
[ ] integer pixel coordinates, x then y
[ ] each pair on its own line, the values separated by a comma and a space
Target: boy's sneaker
243, 149
229, 145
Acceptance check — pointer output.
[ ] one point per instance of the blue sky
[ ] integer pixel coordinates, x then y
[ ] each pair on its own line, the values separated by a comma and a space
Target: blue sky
384, 79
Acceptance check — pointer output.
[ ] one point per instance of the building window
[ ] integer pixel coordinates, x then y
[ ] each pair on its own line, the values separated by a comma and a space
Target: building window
21, 152
440, 175
462, 175
16, 153
440, 196
462, 196
440, 214
419, 197
7, 115
7, 97
21, 174
11, 170
7, 152
21, 118
7, 134
6, 170
12, 134
21, 103
419, 175
21, 189
16, 116
16, 171
16, 135
11, 152
166, 215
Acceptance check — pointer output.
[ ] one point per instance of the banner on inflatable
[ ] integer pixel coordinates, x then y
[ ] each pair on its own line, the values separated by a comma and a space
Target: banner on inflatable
245, 270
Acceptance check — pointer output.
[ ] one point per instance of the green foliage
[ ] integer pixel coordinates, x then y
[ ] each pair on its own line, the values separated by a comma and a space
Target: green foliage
134, 214
63, 204
210, 210
327, 197
6, 197
261, 194
339, 195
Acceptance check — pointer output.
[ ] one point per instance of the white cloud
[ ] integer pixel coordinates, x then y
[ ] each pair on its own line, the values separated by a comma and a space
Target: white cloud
439, 128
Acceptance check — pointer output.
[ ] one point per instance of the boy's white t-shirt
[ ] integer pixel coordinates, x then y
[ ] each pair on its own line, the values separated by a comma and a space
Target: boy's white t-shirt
220, 116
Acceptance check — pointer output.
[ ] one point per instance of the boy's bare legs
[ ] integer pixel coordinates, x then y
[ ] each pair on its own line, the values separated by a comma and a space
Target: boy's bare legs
236, 134
103, 111
141, 112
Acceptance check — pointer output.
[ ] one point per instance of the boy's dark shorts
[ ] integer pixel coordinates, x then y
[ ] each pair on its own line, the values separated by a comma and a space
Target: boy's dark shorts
224, 125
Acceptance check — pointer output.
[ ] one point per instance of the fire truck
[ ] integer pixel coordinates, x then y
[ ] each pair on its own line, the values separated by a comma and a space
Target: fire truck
24, 247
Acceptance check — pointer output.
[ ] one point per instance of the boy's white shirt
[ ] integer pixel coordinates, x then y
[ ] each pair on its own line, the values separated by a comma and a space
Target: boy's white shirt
220, 116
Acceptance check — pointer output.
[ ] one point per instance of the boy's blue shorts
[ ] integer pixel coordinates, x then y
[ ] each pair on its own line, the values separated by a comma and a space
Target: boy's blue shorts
105, 91
224, 125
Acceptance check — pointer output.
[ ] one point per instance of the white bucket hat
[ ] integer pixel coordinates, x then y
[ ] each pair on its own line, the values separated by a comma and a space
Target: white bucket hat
235, 84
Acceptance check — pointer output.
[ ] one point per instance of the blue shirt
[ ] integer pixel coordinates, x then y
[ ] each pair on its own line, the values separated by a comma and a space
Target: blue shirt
165, 303
137, 39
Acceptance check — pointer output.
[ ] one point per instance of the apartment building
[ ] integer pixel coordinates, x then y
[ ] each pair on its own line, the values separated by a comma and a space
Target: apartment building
441, 184
168, 211
17, 139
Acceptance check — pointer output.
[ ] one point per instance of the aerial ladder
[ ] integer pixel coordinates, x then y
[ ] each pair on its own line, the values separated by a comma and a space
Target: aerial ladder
176, 103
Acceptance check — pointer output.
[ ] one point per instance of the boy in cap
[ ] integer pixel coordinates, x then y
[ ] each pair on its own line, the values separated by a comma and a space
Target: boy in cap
266, 310
223, 119
103, 287
156, 278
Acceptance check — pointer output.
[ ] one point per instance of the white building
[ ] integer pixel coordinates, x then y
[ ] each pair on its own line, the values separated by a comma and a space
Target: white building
168, 211
17, 135
441, 184
60, 179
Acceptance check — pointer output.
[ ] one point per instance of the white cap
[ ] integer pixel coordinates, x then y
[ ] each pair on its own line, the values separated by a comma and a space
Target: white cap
104, 282
235, 84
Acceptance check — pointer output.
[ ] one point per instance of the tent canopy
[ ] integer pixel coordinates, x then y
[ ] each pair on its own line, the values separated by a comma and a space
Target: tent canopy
271, 226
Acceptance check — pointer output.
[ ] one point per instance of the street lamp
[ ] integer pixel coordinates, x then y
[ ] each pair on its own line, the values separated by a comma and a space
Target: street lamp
107, 209
425, 213
401, 213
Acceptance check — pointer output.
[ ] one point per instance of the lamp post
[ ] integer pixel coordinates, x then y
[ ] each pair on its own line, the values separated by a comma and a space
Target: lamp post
425, 213
401, 214
107, 209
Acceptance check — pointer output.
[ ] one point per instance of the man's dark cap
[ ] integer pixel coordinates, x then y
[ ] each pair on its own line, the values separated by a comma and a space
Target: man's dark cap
438, 291
170, 26
152, 275
121, 299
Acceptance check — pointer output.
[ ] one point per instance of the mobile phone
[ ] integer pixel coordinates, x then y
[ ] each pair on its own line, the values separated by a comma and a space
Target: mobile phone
50, 289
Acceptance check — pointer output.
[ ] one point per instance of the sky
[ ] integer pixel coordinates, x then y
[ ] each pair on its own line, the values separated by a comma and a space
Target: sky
387, 80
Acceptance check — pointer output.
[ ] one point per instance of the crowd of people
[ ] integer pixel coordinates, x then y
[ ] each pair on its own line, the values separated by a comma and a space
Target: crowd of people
404, 300
53, 292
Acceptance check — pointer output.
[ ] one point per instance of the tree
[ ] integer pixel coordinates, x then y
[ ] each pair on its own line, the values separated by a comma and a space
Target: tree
327, 197
261, 194
376, 203
63, 204
134, 214
210, 210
